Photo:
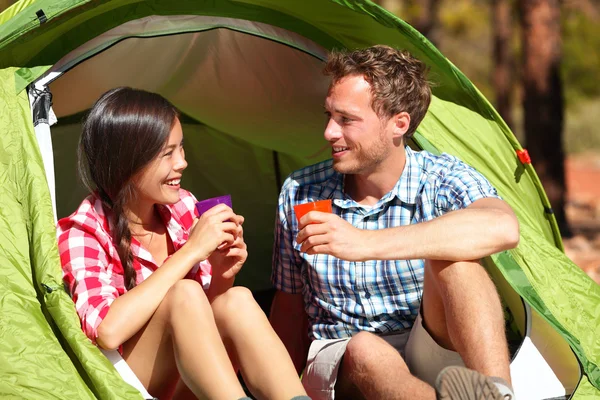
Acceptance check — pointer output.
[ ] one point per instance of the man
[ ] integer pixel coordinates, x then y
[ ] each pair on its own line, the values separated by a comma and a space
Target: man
389, 286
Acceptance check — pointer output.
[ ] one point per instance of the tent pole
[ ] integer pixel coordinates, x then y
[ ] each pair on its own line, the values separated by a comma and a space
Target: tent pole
277, 169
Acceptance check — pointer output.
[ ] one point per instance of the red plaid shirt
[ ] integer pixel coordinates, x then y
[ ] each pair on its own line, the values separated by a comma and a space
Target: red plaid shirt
92, 268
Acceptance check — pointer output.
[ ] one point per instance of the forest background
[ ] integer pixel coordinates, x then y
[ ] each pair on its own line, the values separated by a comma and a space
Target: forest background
538, 62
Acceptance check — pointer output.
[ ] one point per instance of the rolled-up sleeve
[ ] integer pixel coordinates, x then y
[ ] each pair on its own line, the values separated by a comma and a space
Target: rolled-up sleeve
460, 187
286, 274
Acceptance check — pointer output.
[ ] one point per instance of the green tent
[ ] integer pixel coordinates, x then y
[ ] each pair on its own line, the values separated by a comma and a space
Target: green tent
246, 76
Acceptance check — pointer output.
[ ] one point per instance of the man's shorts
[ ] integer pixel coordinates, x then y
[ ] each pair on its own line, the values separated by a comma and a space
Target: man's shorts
424, 357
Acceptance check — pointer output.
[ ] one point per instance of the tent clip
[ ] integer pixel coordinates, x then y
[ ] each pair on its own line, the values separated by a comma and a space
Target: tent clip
47, 288
524, 156
41, 16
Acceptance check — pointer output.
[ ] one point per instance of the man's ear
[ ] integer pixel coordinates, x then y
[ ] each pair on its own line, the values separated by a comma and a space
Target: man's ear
401, 123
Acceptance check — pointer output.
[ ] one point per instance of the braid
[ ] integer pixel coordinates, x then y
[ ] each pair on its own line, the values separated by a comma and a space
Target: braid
122, 239
105, 198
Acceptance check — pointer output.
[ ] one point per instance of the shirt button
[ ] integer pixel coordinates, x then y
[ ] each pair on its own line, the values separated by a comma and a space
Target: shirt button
367, 295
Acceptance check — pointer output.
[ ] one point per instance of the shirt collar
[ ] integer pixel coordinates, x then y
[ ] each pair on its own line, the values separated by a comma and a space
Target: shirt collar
175, 230
407, 187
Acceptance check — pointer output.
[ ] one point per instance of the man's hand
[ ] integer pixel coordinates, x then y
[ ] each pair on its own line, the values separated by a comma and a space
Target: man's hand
324, 233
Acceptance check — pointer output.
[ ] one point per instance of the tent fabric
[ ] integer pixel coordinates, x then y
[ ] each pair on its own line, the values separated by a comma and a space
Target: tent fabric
337, 24
42, 348
460, 122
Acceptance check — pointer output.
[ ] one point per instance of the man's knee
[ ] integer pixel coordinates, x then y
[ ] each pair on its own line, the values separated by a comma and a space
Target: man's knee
443, 272
367, 351
437, 266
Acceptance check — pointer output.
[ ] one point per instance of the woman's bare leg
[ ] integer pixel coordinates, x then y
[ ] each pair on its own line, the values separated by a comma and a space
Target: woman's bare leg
264, 361
182, 392
181, 338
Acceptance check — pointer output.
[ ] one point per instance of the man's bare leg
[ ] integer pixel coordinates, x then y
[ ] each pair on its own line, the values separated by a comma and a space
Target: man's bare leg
462, 312
373, 369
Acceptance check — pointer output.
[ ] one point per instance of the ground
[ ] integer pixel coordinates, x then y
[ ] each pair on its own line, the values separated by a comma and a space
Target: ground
583, 212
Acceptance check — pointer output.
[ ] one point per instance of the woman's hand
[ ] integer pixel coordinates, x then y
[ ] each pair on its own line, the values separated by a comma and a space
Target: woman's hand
218, 227
227, 261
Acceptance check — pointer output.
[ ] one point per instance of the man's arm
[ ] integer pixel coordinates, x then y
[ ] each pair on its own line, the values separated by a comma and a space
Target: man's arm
290, 321
485, 227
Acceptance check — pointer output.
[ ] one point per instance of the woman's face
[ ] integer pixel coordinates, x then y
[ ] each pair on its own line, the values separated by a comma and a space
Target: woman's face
158, 182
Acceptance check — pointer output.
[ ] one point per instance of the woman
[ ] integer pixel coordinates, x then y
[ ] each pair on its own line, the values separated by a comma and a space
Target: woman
151, 279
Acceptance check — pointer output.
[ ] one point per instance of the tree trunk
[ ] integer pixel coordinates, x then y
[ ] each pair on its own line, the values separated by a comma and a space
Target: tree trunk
543, 99
503, 59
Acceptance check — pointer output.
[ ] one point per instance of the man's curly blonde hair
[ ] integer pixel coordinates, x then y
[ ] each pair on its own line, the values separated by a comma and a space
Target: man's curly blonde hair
398, 80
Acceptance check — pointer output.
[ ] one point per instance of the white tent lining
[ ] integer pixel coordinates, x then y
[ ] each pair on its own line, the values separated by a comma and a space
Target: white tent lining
154, 27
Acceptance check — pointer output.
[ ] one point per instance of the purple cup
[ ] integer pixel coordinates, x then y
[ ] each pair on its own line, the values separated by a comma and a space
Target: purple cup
205, 205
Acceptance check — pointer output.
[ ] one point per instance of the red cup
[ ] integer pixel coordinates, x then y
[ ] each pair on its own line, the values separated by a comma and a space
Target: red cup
321, 205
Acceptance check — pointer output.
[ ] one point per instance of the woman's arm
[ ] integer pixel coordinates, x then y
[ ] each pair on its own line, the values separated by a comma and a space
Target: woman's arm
131, 311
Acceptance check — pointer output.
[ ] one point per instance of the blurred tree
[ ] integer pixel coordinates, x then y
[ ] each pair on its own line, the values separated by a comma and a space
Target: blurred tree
503, 58
581, 58
420, 14
426, 19
543, 99
390, 5
463, 32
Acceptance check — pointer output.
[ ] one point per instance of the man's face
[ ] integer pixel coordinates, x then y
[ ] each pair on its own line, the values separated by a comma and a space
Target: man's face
360, 140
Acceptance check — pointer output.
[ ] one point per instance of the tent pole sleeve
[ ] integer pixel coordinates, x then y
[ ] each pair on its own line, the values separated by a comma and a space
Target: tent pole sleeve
43, 117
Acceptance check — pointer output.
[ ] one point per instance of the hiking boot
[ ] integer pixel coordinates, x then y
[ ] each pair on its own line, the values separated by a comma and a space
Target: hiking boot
459, 383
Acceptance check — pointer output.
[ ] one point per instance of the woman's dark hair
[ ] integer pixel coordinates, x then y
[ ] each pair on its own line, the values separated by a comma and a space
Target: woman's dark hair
125, 130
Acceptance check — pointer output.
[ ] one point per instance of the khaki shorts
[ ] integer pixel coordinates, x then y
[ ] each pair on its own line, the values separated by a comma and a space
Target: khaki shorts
424, 357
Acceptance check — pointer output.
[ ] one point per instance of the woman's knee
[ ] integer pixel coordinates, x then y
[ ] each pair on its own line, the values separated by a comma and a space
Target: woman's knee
186, 296
236, 303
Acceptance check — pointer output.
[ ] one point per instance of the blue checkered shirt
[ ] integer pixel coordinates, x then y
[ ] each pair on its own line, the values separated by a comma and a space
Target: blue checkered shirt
344, 297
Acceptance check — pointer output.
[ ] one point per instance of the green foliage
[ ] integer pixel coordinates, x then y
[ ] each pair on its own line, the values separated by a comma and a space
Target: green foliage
464, 36
581, 56
468, 19
581, 131
466, 40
